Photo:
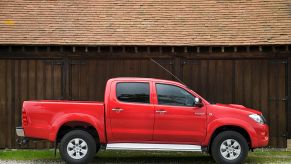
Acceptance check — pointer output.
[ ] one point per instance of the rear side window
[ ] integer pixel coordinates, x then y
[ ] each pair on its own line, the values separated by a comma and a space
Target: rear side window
133, 92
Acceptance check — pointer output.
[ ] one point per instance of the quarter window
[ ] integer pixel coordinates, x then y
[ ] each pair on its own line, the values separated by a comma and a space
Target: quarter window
133, 92
173, 95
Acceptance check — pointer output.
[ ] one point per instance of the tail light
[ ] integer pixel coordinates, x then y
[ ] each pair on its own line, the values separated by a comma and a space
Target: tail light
24, 119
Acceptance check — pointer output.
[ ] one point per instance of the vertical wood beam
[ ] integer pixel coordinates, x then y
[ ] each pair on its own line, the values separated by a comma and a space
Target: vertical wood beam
185, 49
288, 108
148, 50
198, 49
178, 68
98, 49
210, 49
135, 49
66, 78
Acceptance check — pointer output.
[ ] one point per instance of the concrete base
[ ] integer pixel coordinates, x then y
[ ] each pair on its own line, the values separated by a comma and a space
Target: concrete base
289, 144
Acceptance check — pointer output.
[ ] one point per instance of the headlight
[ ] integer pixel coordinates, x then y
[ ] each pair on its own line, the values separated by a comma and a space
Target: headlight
257, 118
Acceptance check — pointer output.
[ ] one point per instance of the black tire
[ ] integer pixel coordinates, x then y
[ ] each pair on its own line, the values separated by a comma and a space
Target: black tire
80, 136
231, 153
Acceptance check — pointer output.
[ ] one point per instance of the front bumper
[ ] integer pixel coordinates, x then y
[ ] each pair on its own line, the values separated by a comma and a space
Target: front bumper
20, 132
262, 135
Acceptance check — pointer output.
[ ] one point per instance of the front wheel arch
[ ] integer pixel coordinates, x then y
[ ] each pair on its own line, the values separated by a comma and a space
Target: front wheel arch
221, 129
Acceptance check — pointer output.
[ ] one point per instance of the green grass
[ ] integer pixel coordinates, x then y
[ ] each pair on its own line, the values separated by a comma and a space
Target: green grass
26, 154
259, 156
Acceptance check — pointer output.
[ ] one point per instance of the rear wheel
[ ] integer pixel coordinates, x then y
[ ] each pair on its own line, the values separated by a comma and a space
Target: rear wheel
77, 146
229, 147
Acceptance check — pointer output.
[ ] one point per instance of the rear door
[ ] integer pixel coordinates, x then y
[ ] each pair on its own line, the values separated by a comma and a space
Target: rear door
131, 112
177, 120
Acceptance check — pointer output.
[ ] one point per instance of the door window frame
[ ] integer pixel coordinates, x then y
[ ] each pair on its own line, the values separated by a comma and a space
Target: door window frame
114, 96
156, 101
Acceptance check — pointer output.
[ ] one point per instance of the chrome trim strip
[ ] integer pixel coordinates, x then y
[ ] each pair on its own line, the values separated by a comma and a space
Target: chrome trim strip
153, 147
20, 132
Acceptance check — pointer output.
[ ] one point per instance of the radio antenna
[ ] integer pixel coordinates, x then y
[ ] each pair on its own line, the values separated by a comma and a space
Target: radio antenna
167, 71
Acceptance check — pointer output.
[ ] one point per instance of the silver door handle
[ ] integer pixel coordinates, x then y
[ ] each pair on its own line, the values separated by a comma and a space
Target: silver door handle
199, 113
161, 111
117, 110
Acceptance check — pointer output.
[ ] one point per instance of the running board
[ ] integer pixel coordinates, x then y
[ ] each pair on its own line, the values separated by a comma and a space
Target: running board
153, 147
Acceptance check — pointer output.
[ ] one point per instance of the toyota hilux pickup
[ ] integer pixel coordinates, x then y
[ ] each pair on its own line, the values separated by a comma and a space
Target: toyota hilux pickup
145, 114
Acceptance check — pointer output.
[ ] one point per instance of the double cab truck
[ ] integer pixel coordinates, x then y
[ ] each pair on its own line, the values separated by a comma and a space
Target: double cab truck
145, 114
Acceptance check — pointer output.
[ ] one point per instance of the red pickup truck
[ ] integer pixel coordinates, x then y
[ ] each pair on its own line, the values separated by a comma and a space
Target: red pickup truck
145, 114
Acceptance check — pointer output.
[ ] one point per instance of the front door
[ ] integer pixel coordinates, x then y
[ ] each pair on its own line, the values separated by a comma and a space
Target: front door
177, 120
131, 112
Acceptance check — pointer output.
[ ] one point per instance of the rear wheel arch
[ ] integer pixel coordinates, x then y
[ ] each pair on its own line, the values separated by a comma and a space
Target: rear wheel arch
78, 125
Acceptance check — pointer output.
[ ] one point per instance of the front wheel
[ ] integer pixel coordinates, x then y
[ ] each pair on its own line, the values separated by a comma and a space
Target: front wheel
229, 147
77, 146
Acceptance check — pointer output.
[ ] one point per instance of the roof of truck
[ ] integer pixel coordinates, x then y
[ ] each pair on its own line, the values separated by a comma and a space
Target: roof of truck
145, 79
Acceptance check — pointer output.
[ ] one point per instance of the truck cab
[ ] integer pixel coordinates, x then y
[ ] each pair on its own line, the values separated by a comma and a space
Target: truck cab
166, 113
145, 114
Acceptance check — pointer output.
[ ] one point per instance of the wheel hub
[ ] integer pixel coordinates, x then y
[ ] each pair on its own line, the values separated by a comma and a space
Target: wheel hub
230, 149
77, 148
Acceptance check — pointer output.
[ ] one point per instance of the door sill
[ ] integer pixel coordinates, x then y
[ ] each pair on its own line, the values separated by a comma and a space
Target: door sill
153, 147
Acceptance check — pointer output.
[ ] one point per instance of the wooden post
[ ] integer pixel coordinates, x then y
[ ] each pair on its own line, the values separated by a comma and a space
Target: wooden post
289, 100
177, 68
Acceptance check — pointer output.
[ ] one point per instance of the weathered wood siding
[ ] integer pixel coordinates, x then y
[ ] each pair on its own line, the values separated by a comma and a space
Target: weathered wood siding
257, 83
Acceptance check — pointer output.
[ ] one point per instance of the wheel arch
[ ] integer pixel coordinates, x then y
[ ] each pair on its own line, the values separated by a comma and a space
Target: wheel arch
235, 128
234, 124
74, 125
77, 121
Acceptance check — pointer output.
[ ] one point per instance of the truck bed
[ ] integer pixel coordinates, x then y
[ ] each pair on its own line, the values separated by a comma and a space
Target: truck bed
44, 116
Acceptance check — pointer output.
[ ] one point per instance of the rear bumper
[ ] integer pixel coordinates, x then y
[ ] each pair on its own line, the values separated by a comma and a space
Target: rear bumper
20, 132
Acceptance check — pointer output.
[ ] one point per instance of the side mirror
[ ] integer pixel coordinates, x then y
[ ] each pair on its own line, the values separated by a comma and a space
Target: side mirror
198, 102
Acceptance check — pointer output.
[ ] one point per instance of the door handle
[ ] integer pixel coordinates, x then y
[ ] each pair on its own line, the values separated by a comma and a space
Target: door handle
199, 113
161, 111
117, 110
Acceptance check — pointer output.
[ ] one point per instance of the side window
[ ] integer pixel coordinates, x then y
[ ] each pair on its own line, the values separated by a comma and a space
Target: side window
173, 95
133, 92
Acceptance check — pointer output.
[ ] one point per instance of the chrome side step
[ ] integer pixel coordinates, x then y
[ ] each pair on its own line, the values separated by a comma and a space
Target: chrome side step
153, 147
